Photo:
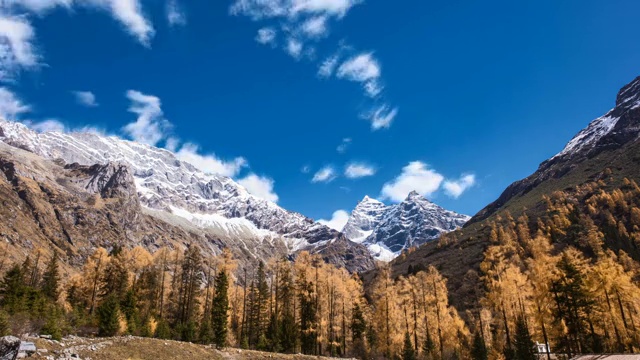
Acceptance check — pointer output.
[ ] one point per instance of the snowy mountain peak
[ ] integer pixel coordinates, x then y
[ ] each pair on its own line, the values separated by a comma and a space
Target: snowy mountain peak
629, 95
177, 191
388, 230
591, 137
367, 199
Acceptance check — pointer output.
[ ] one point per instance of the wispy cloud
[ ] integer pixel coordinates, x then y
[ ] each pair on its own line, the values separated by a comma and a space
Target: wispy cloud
11, 106
417, 176
175, 13
260, 186
356, 170
305, 169
338, 220
17, 50
303, 23
455, 188
150, 127
86, 98
315, 27
266, 36
414, 177
344, 145
325, 175
382, 117
210, 163
294, 48
49, 125
328, 66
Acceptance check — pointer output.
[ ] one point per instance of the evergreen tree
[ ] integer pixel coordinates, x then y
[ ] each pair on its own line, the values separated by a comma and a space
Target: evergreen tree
307, 316
524, 345
287, 335
163, 331
408, 352
51, 279
129, 308
109, 316
52, 323
573, 302
115, 278
13, 290
479, 348
358, 324
220, 309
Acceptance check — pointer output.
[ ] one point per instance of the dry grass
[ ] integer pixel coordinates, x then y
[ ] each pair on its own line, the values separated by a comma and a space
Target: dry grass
136, 348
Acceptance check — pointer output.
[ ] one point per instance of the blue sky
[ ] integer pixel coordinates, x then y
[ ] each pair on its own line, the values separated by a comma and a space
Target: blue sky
456, 99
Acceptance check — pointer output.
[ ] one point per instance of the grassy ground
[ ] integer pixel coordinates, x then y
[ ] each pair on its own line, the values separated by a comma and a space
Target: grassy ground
135, 348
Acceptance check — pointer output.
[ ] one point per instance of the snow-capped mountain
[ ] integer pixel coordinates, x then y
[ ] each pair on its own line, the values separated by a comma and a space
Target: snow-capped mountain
364, 219
615, 130
175, 189
387, 230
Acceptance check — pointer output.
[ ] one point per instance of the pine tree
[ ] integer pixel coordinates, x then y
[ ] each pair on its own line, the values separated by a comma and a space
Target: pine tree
524, 345
220, 309
13, 290
408, 352
479, 349
109, 316
573, 302
115, 278
51, 279
285, 312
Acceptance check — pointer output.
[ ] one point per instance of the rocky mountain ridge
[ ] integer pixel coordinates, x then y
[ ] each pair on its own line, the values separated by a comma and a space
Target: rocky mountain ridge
153, 184
388, 230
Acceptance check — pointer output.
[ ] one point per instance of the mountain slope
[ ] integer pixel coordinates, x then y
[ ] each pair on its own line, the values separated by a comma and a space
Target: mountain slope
606, 152
388, 230
618, 128
176, 192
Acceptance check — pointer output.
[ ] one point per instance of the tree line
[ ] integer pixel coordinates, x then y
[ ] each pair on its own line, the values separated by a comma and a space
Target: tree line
568, 279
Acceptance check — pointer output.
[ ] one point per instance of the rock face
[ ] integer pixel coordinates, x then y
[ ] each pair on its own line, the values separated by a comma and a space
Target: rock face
388, 230
9, 347
74, 188
617, 128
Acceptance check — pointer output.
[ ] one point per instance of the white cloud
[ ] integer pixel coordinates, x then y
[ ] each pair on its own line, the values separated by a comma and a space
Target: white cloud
337, 221
315, 27
17, 35
328, 66
344, 145
266, 36
259, 186
305, 169
86, 98
261, 9
455, 188
326, 174
37, 6
414, 177
17, 50
129, 13
175, 14
210, 163
373, 88
49, 125
10, 105
150, 127
357, 170
382, 117
360, 68
294, 48
172, 143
